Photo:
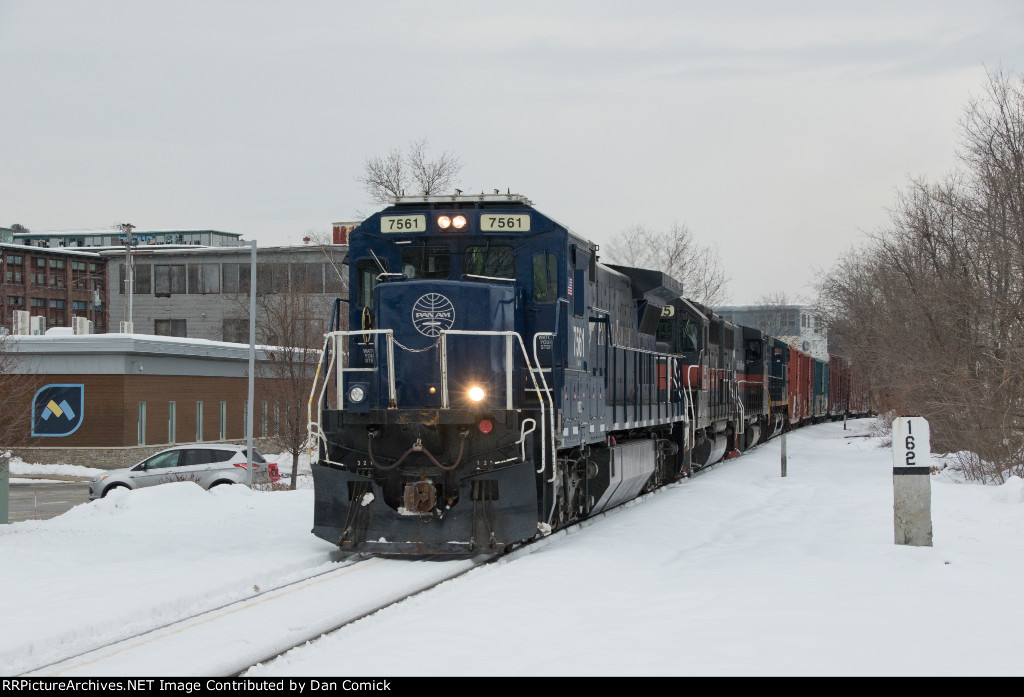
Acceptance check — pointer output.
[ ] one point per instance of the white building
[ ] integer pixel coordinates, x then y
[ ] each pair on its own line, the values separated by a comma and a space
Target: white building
800, 326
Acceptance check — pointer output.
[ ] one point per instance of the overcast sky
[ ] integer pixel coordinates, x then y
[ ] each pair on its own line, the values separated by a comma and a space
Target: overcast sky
778, 131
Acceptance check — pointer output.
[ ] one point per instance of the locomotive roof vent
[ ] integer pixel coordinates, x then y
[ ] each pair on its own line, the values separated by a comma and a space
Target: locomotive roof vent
463, 198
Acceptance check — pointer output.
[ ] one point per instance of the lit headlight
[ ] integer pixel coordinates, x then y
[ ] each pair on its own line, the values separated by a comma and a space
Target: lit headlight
444, 222
356, 394
476, 393
459, 222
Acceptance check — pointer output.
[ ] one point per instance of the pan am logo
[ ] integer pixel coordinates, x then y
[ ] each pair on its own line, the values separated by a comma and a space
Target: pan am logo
432, 314
58, 410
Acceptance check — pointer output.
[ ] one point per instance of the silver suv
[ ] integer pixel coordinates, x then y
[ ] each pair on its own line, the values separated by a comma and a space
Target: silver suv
206, 465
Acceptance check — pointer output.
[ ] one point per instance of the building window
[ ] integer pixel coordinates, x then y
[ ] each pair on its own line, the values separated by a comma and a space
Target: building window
170, 327
203, 279
211, 278
308, 278
229, 277
236, 330
172, 407
56, 263
168, 279
79, 305
223, 420
142, 423
39, 303
143, 279
15, 301
199, 421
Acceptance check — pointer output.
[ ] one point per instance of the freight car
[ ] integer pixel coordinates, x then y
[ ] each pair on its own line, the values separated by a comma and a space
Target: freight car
497, 382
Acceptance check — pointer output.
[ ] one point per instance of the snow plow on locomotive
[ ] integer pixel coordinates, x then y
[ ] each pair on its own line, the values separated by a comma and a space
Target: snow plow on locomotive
496, 382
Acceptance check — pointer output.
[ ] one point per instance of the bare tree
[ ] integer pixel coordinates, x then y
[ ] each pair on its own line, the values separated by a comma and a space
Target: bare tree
293, 313
676, 252
291, 324
412, 172
17, 388
768, 309
932, 307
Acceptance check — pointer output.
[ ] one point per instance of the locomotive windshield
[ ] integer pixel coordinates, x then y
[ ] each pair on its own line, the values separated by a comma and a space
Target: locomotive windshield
426, 262
497, 261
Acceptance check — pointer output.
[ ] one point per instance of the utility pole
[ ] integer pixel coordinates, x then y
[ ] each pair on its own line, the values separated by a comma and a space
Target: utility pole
252, 365
129, 262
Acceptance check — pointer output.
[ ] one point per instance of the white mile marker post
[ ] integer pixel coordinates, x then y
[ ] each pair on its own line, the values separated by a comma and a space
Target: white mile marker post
911, 481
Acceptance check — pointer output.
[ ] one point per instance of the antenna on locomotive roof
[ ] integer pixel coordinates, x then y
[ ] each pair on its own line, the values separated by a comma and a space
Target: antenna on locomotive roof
495, 191
458, 192
508, 191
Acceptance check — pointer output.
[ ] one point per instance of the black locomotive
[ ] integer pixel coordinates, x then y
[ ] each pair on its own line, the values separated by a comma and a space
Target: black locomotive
496, 382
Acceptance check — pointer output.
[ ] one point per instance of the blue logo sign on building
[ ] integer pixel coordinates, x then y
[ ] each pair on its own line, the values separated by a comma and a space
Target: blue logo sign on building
58, 410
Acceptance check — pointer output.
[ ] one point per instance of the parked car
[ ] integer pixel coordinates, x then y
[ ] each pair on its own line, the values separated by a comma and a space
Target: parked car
206, 465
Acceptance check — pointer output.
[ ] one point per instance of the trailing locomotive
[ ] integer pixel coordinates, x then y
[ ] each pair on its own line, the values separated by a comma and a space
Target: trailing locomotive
496, 382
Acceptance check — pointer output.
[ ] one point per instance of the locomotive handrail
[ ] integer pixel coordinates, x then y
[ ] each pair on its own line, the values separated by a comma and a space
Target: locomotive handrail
547, 391
689, 386
390, 349
509, 335
443, 337
735, 390
319, 435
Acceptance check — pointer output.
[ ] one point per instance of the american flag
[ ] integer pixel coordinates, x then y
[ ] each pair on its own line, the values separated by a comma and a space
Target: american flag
570, 285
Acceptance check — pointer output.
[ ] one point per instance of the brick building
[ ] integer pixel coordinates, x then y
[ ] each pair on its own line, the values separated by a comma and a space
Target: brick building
135, 395
57, 284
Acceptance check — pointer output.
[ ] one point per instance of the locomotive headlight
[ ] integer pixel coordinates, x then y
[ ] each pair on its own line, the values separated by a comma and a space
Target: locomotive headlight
356, 394
459, 222
444, 222
476, 393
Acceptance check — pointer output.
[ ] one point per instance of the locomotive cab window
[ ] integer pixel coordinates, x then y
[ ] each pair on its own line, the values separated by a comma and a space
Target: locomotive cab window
497, 261
545, 277
753, 351
426, 262
691, 336
367, 272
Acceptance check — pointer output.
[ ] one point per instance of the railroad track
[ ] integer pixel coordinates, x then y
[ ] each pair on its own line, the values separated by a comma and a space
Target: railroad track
226, 641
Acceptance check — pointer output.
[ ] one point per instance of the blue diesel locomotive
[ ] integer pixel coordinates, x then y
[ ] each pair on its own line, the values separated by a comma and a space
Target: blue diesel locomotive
496, 382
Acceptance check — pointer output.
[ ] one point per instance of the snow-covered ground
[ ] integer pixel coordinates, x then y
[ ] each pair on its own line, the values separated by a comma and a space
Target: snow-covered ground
735, 572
